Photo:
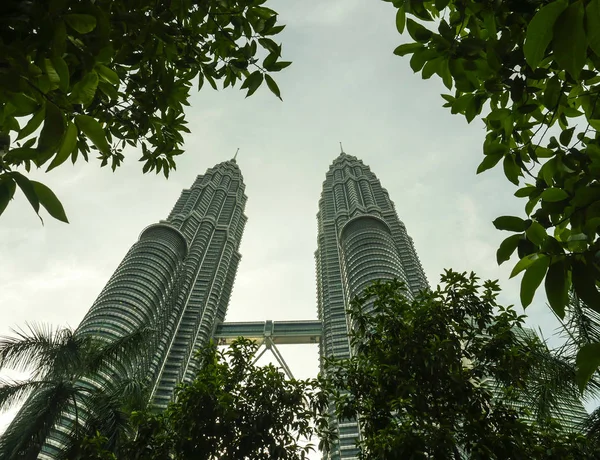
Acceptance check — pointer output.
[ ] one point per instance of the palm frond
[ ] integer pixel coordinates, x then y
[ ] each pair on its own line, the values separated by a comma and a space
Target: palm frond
41, 349
124, 351
552, 390
25, 350
12, 392
107, 411
591, 426
26, 434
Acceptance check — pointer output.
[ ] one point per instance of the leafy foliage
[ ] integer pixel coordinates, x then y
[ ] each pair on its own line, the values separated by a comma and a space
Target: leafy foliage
445, 376
534, 65
232, 410
100, 75
62, 365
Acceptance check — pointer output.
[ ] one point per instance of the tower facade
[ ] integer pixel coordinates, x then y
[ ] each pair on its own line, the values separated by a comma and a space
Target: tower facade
177, 278
360, 240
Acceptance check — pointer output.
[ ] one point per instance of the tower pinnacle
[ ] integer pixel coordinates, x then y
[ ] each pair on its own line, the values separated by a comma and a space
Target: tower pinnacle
235, 156
341, 148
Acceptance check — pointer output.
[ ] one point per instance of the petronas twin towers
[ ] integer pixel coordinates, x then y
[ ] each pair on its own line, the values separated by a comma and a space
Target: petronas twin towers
180, 273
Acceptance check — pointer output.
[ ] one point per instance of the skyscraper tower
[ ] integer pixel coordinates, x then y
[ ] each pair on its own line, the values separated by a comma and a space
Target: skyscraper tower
360, 240
178, 278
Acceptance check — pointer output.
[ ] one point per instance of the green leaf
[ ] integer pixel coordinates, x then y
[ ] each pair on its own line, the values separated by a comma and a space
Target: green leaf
511, 169
587, 361
532, 279
444, 72
109, 90
21, 154
552, 92
273, 86
54, 127
506, 249
592, 15
511, 223
50, 202
24, 104
85, 89
522, 264
59, 40
253, 81
489, 161
51, 72
108, 74
418, 59
554, 194
33, 123
531, 204
62, 70
417, 31
431, 67
94, 131
570, 42
407, 48
539, 31
26, 187
557, 287
494, 148
566, 136
400, 19
7, 190
585, 285
548, 170
82, 23
279, 66
536, 233
525, 191
69, 143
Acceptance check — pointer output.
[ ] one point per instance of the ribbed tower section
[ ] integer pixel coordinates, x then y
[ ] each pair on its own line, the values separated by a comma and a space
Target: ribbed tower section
177, 279
211, 217
360, 240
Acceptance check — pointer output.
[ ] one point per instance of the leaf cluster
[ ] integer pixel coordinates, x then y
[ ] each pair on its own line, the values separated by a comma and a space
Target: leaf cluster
85, 75
441, 376
232, 410
532, 69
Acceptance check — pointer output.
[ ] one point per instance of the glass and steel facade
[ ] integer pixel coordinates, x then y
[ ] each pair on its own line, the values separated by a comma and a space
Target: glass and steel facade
360, 240
177, 279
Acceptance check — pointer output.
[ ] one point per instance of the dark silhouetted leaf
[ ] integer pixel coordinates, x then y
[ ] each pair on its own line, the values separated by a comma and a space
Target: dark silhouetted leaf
532, 278
511, 223
49, 201
82, 23
588, 360
94, 131
507, 247
557, 287
569, 42
540, 31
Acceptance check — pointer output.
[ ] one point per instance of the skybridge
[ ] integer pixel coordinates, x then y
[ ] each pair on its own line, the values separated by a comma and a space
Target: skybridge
270, 334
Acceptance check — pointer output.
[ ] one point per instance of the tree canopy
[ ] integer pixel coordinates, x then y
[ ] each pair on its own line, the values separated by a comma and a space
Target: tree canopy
232, 410
452, 374
530, 69
95, 76
62, 363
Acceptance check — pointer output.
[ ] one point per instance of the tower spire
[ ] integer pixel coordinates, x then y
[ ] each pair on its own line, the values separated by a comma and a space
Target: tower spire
341, 148
235, 156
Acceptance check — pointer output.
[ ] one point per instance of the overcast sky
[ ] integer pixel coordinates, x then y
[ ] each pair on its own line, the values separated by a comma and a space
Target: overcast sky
345, 85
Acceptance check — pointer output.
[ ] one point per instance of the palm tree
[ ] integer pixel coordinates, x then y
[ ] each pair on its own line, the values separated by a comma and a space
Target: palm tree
551, 391
79, 384
583, 328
